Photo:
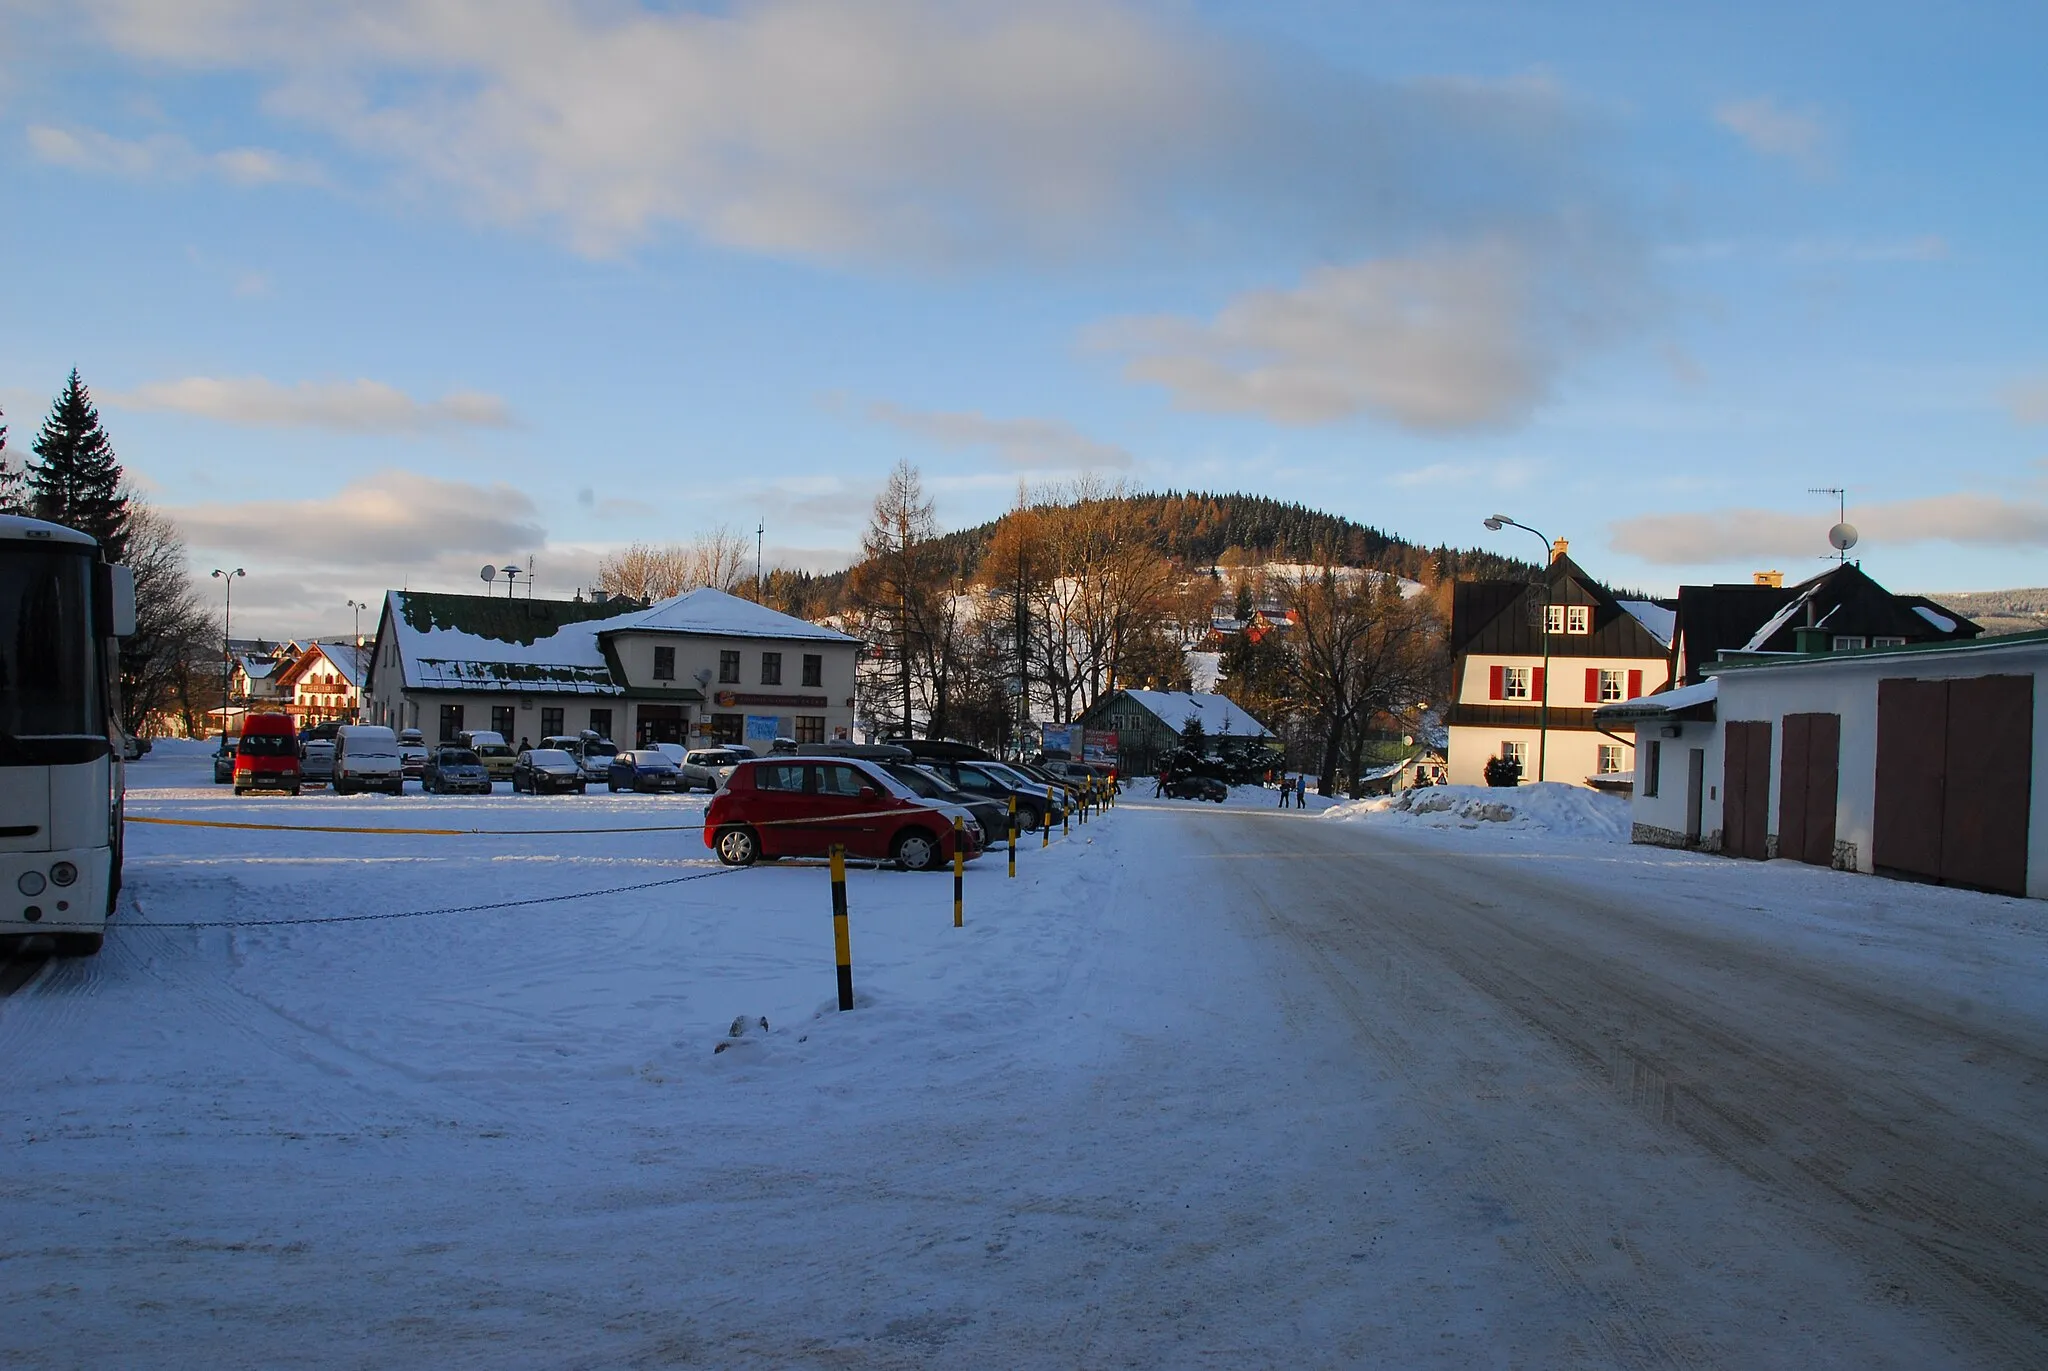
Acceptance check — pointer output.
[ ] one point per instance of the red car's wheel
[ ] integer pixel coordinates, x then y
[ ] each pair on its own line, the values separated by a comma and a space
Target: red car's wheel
738, 846
917, 850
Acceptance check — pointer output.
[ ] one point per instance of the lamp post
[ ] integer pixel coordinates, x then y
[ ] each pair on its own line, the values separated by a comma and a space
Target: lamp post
1496, 524
227, 654
356, 710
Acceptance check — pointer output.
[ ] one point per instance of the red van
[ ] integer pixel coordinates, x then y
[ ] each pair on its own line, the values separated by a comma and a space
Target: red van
267, 758
800, 806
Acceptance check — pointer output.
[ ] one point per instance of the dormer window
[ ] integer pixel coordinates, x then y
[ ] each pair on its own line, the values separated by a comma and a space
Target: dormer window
1578, 619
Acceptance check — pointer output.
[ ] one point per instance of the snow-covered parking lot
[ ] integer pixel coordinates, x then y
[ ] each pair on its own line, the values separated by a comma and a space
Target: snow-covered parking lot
1203, 1086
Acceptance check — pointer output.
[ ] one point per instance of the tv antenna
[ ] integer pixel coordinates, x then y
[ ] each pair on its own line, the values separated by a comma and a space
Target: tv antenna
1842, 536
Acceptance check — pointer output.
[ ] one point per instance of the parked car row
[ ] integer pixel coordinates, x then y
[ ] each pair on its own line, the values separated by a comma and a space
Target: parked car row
796, 805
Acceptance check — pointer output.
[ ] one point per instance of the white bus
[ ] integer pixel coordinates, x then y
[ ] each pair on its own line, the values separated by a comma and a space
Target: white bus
62, 606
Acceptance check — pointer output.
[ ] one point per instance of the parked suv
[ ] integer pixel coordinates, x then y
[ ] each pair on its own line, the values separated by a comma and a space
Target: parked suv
801, 806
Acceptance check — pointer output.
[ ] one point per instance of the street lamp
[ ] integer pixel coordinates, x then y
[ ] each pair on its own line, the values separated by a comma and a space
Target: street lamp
227, 652
356, 711
1496, 524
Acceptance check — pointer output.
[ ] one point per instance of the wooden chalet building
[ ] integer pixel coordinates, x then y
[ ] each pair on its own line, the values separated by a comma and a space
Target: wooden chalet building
1601, 650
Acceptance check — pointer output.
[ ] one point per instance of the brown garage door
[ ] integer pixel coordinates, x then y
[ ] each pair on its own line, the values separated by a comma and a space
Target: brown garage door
1809, 768
1954, 780
1745, 788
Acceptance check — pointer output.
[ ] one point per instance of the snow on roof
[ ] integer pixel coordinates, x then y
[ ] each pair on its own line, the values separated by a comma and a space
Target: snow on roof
709, 611
1777, 621
1661, 622
254, 667
1940, 621
472, 642
1664, 703
1218, 714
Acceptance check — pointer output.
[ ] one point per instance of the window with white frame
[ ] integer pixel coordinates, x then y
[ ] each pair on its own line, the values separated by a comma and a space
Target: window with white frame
1518, 753
1882, 641
1850, 642
1613, 685
1514, 683
1610, 759
1553, 618
1578, 619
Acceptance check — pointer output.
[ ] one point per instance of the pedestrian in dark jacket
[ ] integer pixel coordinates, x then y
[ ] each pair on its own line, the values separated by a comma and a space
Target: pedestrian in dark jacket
1284, 787
1301, 791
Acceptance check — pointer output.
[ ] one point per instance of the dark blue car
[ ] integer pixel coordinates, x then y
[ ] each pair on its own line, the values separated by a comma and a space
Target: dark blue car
644, 769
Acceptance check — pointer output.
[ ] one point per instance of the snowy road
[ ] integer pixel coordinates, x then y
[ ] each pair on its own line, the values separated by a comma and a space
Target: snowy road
1203, 1087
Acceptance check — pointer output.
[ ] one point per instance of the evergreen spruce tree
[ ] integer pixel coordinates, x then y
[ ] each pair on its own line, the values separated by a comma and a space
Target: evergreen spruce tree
13, 484
75, 479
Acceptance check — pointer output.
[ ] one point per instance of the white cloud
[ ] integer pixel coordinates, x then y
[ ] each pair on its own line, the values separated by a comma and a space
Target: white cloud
165, 156
1024, 444
1715, 537
1775, 131
895, 130
389, 520
1508, 473
360, 406
1454, 337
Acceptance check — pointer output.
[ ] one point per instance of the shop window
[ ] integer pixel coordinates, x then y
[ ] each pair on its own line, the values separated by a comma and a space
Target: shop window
810, 728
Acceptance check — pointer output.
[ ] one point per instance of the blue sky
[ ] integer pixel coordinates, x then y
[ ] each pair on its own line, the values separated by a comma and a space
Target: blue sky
373, 294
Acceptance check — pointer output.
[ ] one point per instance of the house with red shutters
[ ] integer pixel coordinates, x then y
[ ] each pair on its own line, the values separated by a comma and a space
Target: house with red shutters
1562, 641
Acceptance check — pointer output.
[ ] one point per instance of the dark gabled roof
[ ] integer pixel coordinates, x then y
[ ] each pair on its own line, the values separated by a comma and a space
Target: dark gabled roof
508, 620
1842, 599
1503, 618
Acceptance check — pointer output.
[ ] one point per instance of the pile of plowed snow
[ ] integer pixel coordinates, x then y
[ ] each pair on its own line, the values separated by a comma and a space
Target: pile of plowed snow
1549, 807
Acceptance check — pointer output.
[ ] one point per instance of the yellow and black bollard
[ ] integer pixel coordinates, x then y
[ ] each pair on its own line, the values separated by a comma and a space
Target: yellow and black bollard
959, 864
1067, 811
840, 942
1013, 833
1045, 825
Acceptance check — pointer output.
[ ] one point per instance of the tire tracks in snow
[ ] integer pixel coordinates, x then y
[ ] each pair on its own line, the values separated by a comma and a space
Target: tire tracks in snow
1824, 1098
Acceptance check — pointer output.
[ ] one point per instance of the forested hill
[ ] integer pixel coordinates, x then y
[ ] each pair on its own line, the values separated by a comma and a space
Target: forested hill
1202, 529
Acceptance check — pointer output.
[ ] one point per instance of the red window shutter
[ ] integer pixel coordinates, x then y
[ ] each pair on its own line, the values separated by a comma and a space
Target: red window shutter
1635, 684
1496, 683
1536, 684
1592, 685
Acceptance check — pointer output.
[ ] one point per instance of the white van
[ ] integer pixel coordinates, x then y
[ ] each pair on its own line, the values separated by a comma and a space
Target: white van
366, 758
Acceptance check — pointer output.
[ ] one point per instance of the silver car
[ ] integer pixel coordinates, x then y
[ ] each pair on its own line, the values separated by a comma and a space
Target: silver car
706, 768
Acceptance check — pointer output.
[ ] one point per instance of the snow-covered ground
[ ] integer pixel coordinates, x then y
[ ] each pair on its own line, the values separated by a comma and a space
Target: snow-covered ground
1145, 1108
1550, 807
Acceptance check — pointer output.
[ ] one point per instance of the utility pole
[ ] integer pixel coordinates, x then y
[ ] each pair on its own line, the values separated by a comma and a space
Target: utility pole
760, 582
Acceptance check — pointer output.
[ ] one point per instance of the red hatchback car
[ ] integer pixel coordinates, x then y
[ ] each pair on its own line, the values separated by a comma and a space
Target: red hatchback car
800, 806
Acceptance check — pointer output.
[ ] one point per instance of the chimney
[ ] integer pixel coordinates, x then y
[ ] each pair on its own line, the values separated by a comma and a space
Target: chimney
1557, 549
1774, 579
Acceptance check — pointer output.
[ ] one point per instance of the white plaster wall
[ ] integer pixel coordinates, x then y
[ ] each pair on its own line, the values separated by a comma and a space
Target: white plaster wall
1847, 685
1666, 809
1565, 682
1573, 753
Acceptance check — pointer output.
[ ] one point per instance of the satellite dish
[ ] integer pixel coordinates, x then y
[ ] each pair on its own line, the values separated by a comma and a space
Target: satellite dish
1842, 537
488, 574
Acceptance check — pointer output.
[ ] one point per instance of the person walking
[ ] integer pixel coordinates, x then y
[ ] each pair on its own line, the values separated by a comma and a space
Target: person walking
1301, 791
1159, 786
1284, 787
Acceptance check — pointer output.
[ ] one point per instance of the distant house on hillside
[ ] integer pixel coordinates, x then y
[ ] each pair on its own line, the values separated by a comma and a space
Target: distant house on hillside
1150, 724
1424, 766
700, 666
323, 684
1840, 610
1600, 649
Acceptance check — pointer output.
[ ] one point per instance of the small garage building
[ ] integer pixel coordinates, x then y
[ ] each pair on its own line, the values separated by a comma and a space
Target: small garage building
1914, 761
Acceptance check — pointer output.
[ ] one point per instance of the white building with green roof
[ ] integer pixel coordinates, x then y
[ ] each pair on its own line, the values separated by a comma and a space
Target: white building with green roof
703, 666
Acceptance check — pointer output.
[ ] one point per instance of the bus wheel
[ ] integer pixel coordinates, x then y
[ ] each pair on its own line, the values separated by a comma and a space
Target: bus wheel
80, 944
